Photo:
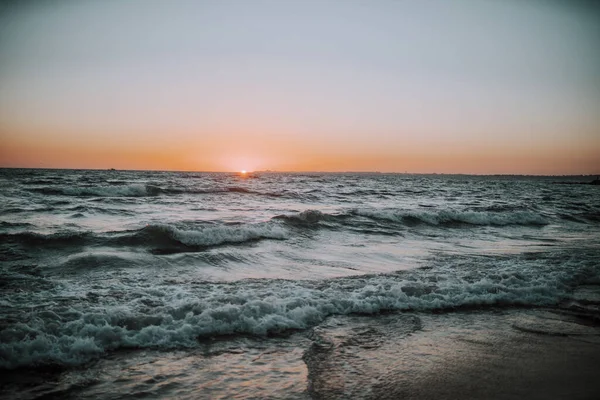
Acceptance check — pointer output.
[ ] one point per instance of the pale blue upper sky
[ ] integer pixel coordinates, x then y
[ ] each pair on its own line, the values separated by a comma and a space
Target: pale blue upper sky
369, 74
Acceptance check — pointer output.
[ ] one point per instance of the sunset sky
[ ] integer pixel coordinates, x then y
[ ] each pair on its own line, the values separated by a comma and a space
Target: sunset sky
443, 86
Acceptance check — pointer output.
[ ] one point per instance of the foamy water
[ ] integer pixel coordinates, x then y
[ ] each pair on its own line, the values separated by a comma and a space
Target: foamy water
102, 268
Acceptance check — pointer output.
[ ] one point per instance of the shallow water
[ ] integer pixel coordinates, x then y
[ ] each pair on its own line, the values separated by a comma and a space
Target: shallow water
230, 277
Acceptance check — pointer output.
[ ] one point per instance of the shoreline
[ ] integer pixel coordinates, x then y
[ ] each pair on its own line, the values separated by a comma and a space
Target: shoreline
502, 354
545, 353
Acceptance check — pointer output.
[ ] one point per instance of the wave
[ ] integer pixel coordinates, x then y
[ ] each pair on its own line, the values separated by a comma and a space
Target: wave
455, 217
100, 210
134, 190
175, 316
445, 218
582, 217
39, 182
99, 260
307, 217
6, 224
141, 190
17, 210
39, 239
160, 238
169, 237
237, 189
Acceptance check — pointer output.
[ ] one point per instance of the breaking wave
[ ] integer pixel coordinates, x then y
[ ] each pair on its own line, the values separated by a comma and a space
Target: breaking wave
162, 237
166, 235
306, 217
168, 316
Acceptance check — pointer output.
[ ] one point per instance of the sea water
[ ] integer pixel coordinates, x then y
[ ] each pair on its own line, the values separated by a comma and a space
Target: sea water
222, 285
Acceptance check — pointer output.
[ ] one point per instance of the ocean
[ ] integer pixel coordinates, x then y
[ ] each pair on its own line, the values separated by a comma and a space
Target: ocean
281, 285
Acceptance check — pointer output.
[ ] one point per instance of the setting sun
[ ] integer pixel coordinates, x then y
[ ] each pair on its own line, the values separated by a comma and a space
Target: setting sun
328, 186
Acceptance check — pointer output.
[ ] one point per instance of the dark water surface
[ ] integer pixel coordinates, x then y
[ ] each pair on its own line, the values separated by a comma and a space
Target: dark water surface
217, 285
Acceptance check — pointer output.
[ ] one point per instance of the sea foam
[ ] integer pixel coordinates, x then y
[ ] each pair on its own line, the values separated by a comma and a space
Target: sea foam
213, 235
168, 316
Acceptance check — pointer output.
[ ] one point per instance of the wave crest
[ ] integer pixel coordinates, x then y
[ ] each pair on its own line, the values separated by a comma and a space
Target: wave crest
447, 218
161, 237
166, 316
305, 217
209, 235
453, 217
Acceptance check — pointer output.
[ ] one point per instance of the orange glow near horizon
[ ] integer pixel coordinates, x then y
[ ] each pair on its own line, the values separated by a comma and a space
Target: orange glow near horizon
459, 87
275, 154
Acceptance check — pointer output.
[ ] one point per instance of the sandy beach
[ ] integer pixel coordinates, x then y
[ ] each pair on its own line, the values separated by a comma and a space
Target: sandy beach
515, 354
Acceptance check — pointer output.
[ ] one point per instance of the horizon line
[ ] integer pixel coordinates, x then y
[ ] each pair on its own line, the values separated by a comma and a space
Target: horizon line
267, 171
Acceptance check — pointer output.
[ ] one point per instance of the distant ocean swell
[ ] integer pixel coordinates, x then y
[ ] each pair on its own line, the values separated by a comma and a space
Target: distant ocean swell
430, 217
174, 316
141, 190
196, 237
454, 217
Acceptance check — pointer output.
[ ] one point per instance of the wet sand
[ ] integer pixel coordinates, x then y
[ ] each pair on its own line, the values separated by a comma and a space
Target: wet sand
516, 354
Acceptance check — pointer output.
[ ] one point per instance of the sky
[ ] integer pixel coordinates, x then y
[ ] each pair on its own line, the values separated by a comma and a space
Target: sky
422, 86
